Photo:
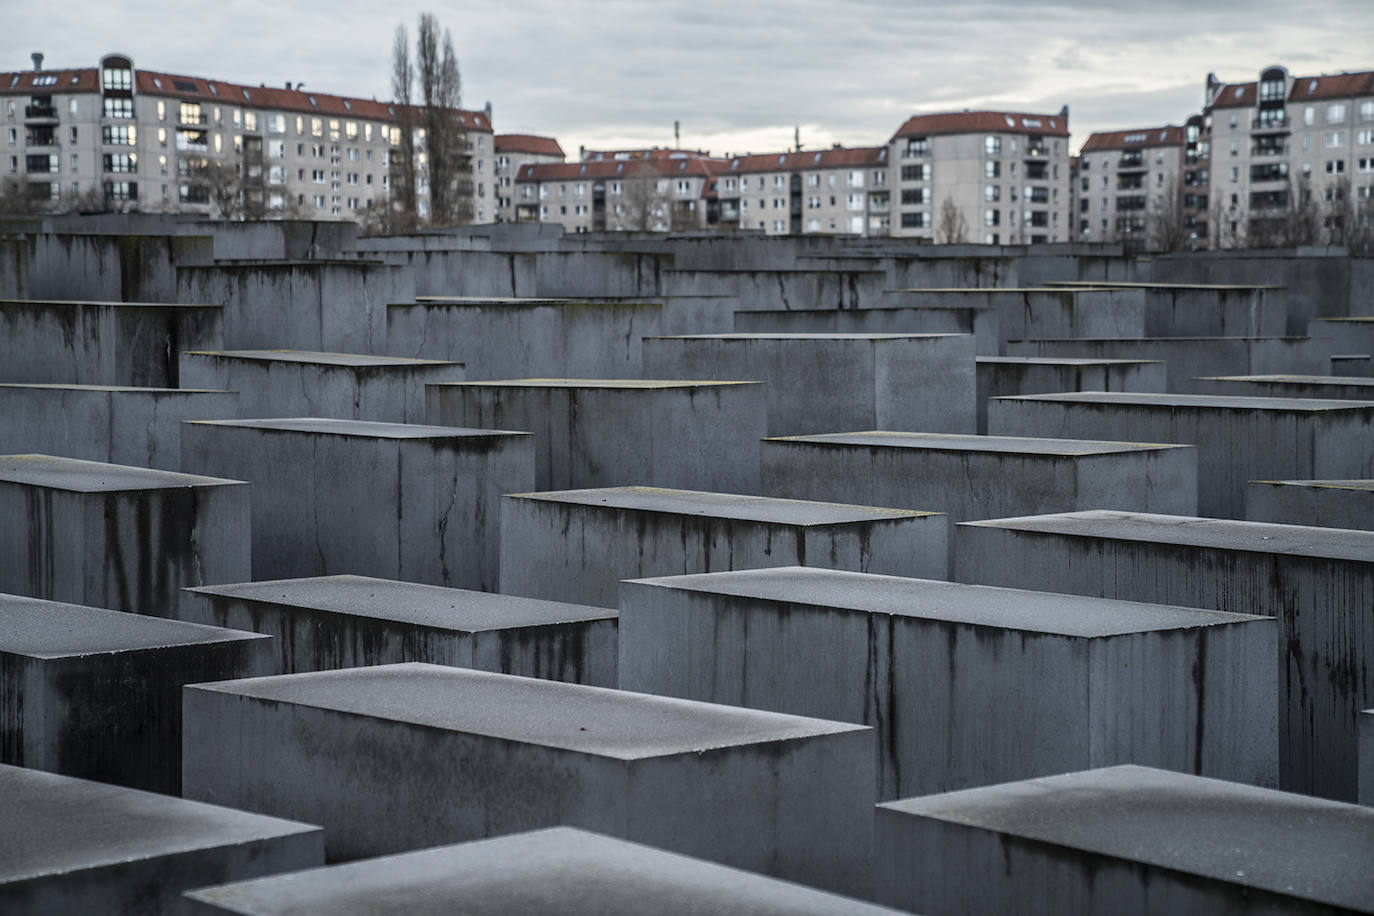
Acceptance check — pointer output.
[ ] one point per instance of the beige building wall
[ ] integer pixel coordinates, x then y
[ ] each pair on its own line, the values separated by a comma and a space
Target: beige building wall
1130, 186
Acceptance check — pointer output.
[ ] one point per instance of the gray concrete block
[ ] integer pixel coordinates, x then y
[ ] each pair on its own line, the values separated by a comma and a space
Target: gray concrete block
1366, 752
398, 757
301, 383
966, 685
1238, 439
1346, 333
617, 432
1129, 840
577, 545
97, 694
557, 870
135, 426
978, 322
1318, 582
102, 343
1189, 358
514, 338
1352, 364
114, 536
969, 477
400, 501
869, 380
1000, 376
1338, 387
351, 621
72, 846
1323, 503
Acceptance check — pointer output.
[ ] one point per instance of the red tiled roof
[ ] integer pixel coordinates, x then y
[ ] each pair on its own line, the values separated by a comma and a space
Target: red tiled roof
192, 88
656, 152
968, 122
1336, 86
22, 81
836, 157
528, 143
1140, 137
1235, 95
667, 168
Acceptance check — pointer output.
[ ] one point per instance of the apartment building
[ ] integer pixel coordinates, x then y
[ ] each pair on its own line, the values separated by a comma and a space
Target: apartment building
654, 194
981, 176
1130, 189
126, 138
1292, 158
839, 191
514, 151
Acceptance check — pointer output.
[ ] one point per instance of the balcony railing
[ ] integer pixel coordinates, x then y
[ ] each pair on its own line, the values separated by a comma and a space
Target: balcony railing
193, 120
1269, 151
1036, 152
1263, 124
40, 112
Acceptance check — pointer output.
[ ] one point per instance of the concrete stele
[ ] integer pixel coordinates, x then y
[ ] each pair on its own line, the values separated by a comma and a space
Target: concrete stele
351, 621
1323, 503
1053, 682
399, 757
576, 545
1126, 839
557, 870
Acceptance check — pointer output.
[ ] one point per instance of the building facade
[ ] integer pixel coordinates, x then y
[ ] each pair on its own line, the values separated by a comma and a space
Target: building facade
981, 177
1130, 189
118, 137
649, 194
514, 151
839, 191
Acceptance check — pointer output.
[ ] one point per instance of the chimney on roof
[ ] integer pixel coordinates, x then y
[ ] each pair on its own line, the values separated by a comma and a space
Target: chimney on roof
677, 133
1064, 113
486, 109
288, 85
37, 60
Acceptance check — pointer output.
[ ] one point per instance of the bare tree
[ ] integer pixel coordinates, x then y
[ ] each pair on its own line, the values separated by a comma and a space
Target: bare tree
404, 167
1167, 231
1337, 212
1301, 222
226, 189
450, 191
953, 228
1359, 235
642, 206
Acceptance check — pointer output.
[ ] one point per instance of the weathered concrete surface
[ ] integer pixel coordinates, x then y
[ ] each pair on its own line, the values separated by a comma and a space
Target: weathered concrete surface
300, 383
980, 323
1127, 839
1350, 388
1189, 358
1318, 582
97, 694
418, 503
577, 545
1014, 683
1001, 376
556, 870
72, 846
616, 432
351, 621
516, 338
918, 382
114, 536
404, 756
1366, 752
1351, 334
121, 425
1324, 503
102, 343
1238, 439
969, 477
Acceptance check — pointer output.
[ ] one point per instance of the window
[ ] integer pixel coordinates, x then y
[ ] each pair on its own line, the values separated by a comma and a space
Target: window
992, 169
119, 108
992, 146
992, 217
111, 135
916, 146
276, 174
1366, 165
276, 149
855, 179
1335, 113
778, 225
1309, 115
994, 192
317, 129
1335, 166
855, 202
276, 124
121, 190
916, 172
915, 196
813, 225
43, 163
813, 180
111, 78
120, 162
1364, 137
1335, 138
351, 130
913, 220
317, 176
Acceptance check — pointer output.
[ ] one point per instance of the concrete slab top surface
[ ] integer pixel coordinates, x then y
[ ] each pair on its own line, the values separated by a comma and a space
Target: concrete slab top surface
765, 509
115, 389
431, 606
54, 825
629, 384
1172, 401
486, 300
977, 290
589, 720
1349, 319
615, 302
1364, 485
1063, 361
39, 628
958, 442
745, 336
88, 303
1183, 530
361, 429
1147, 341
1351, 380
1103, 284
928, 599
314, 357
1282, 842
558, 870
75, 475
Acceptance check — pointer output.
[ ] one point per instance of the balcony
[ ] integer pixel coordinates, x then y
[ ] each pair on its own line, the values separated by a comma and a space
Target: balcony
1269, 126
40, 113
1269, 151
46, 140
188, 119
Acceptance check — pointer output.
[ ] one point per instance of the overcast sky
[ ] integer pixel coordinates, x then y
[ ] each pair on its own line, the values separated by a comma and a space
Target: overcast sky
737, 74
